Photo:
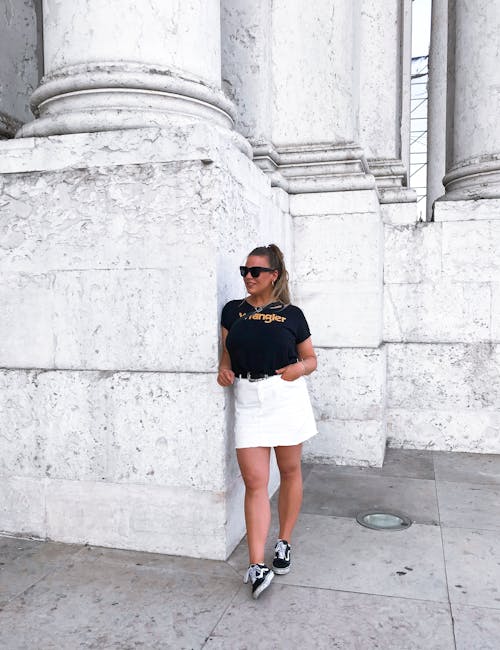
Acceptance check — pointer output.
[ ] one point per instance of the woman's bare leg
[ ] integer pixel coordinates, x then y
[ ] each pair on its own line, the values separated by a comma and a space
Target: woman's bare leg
254, 466
290, 496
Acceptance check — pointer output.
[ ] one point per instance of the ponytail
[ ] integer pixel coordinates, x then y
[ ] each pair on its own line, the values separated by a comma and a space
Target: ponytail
276, 259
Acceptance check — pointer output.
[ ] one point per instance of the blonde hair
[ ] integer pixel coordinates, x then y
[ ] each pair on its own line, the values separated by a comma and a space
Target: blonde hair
276, 259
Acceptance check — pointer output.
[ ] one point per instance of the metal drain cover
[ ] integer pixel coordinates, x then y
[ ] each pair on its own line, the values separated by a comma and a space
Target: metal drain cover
380, 520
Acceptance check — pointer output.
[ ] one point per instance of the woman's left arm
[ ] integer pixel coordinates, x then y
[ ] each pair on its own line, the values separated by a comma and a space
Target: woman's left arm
307, 362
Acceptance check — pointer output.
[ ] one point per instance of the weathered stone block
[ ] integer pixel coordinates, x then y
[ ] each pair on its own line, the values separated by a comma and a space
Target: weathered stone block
469, 430
399, 213
349, 384
154, 428
346, 314
348, 396
26, 320
153, 319
437, 312
330, 203
22, 505
448, 377
149, 216
412, 253
471, 250
166, 430
51, 425
467, 210
340, 248
348, 442
161, 519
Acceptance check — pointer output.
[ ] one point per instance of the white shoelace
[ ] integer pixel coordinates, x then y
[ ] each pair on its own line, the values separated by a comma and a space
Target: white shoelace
254, 572
280, 549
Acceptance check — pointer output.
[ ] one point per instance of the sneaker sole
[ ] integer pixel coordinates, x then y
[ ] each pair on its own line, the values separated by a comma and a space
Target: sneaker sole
281, 572
264, 585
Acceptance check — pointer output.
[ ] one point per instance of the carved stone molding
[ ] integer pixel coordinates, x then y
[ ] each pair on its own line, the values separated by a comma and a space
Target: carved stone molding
391, 177
314, 168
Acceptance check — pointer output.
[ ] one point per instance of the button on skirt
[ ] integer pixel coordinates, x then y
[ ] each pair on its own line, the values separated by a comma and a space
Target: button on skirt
272, 412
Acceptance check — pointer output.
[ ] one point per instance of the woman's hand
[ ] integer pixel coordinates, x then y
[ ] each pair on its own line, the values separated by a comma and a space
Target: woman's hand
292, 372
225, 377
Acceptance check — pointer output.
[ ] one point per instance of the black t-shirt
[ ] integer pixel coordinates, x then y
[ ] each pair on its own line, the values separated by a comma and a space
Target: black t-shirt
262, 342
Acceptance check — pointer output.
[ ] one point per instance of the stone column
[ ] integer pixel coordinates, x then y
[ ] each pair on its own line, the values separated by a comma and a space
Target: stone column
315, 95
473, 129
338, 230
382, 83
246, 34
109, 65
436, 122
19, 63
292, 69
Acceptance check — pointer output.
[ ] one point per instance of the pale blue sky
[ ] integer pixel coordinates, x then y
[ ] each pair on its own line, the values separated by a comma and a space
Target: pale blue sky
421, 27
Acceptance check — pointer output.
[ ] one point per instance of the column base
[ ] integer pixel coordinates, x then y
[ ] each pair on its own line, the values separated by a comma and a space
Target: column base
478, 178
109, 97
446, 209
8, 126
314, 167
390, 177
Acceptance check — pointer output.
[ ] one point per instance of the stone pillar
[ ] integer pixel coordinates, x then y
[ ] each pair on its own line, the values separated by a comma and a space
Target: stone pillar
473, 129
111, 66
292, 70
246, 34
436, 121
315, 95
121, 237
381, 98
19, 63
338, 230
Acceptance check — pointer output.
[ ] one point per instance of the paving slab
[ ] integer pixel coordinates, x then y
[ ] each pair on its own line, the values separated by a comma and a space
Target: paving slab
467, 468
346, 495
469, 505
476, 628
472, 560
298, 617
337, 553
24, 562
102, 598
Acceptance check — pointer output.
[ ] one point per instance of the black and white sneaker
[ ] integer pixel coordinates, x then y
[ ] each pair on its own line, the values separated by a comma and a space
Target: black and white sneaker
260, 576
281, 562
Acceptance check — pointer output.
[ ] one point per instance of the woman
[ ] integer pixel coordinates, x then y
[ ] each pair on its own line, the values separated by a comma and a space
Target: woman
266, 351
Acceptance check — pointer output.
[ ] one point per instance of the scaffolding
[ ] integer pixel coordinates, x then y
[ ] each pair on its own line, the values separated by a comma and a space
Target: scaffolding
418, 131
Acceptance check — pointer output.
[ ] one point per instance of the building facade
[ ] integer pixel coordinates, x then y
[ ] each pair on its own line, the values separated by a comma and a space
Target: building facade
165, 140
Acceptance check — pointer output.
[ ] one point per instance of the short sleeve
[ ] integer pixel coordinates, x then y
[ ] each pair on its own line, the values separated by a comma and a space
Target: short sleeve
302, 331
228, 314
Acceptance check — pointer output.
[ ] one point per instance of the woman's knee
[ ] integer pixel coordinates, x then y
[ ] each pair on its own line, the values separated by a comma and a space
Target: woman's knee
255, 480
289, 462
290, 471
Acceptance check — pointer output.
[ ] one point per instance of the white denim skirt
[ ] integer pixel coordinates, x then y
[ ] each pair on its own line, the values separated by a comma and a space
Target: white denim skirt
272, 412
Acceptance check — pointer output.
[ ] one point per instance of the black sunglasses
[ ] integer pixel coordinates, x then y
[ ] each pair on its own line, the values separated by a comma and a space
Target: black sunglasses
254, 271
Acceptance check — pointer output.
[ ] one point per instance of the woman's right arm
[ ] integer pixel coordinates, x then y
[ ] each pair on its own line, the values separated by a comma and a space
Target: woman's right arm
225, 377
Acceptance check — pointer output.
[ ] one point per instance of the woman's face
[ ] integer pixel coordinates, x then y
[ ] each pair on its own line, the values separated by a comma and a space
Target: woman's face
263, 284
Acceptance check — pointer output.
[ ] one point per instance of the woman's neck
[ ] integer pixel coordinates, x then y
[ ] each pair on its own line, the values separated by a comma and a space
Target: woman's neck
260, 301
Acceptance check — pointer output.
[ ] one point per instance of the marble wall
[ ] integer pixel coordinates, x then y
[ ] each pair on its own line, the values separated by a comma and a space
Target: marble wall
442, 333
114, 430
